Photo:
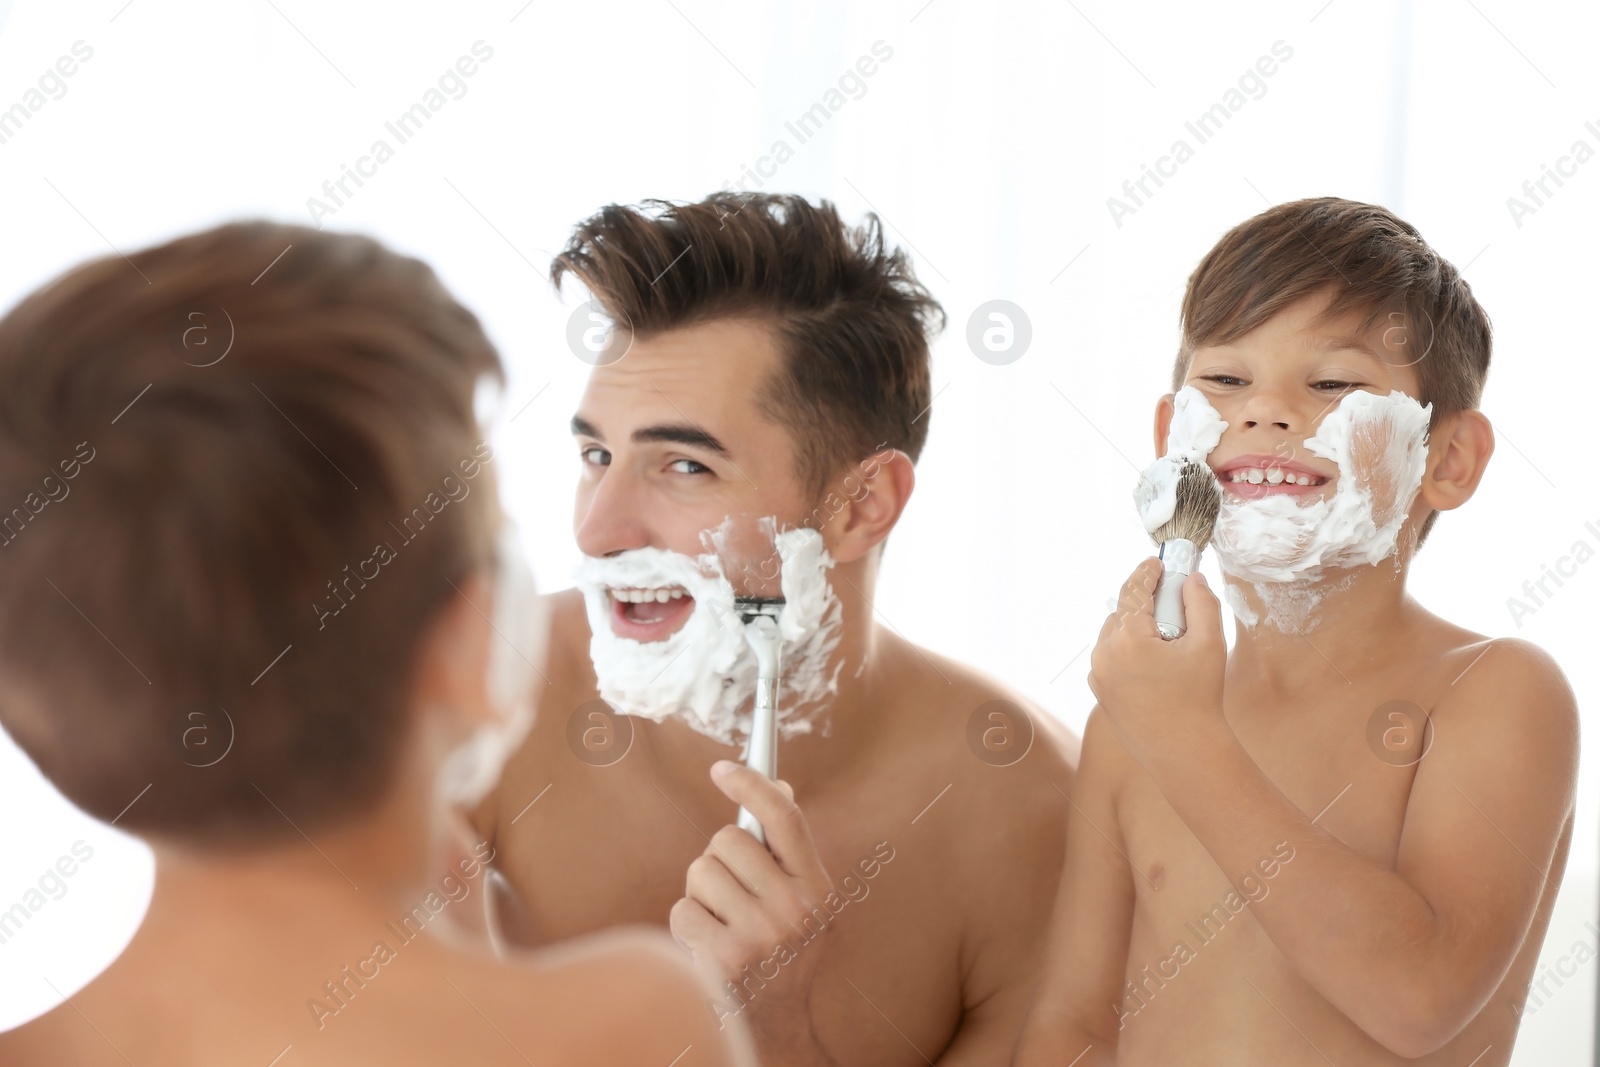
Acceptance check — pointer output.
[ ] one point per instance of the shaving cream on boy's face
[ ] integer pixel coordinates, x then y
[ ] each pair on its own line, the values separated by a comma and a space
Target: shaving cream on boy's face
704, 671
473, 768
1379, 444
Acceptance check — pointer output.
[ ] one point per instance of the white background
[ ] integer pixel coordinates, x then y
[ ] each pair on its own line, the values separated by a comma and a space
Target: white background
989, 142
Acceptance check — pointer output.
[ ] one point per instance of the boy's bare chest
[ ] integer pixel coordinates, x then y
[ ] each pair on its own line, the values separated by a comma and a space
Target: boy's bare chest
1345, 759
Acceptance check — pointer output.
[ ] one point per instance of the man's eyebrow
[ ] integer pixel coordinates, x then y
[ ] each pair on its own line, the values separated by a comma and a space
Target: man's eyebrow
680, 434
668, 433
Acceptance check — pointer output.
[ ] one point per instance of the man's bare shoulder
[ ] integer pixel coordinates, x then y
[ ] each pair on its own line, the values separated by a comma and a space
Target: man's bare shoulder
1008, 763
962, 699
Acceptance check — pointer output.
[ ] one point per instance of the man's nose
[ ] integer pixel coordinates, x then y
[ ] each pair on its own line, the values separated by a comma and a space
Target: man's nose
609, 516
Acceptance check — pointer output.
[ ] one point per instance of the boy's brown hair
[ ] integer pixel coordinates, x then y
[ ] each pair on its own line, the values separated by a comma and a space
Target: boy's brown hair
851, 319
201, 448
1369, 260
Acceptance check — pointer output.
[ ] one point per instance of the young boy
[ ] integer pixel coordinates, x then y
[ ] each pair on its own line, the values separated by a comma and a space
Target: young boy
1341, 843
244, 613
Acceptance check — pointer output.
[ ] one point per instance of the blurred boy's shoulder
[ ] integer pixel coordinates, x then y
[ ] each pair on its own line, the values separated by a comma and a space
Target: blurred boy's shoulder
628, 994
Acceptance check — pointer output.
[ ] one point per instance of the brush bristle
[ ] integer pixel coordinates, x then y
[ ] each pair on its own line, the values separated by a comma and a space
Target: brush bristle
1199, 503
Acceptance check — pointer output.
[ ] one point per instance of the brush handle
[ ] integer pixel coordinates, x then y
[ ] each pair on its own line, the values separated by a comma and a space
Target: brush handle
1179, 558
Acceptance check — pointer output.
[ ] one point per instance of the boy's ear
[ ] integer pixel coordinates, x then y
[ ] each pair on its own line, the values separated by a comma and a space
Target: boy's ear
1458, 452
1164, 412
874, 493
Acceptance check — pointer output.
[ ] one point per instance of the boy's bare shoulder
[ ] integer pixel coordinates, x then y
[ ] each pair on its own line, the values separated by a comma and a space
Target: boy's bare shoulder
626, 995
1510, 686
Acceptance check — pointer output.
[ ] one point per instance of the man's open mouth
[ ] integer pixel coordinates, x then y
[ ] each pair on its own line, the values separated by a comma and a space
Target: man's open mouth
649, 614
1252, 477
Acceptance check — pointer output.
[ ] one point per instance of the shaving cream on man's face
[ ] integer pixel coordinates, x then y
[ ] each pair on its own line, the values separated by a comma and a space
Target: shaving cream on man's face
704, 672
1380, 446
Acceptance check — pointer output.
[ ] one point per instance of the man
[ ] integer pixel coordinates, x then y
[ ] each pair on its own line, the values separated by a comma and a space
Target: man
771, 361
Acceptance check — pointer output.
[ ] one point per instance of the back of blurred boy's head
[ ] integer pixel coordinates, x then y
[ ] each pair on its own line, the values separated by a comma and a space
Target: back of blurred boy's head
1366, 260
235, 477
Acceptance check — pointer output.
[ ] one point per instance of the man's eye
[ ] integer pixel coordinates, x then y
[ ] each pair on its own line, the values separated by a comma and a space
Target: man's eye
688, 466
597, 457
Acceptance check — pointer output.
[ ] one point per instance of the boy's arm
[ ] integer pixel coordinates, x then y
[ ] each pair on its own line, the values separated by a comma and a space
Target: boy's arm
1411, 953
1073, 1011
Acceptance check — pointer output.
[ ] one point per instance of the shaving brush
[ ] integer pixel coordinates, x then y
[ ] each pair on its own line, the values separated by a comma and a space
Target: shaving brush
1181, 539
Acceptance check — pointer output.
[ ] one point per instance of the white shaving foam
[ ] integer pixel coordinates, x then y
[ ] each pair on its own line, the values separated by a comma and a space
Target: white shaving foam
1282, 545
1380, 446
705, 673
1196, 428
473, 768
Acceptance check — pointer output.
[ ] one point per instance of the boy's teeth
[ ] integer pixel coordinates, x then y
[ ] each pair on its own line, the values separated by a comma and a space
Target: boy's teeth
1269, 475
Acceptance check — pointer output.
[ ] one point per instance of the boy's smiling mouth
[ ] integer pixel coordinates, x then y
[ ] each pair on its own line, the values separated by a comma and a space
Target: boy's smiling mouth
1254, 476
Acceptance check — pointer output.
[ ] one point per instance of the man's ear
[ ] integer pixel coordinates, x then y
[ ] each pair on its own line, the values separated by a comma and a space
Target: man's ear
874, 493
1164, 410
1458, 453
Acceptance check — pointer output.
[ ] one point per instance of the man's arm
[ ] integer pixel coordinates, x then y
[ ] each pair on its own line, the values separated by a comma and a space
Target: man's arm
1073, 1010
1411, 953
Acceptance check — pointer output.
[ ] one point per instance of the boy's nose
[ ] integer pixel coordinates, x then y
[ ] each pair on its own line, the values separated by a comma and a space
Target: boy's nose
1268, 408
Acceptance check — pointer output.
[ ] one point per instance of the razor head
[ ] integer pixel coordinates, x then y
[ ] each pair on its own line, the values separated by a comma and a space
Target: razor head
750, 608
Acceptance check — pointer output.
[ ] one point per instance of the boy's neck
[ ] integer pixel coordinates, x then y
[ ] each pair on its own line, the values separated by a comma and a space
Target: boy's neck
372, 863
1347, 618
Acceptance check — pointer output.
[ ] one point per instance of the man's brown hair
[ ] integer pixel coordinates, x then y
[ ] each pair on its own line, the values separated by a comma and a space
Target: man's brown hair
851, 319
1369, 260
202, 448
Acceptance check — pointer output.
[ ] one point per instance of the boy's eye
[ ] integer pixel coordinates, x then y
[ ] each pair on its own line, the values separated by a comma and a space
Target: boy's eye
595, 456
679, 466
1330, 386
1222, 379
